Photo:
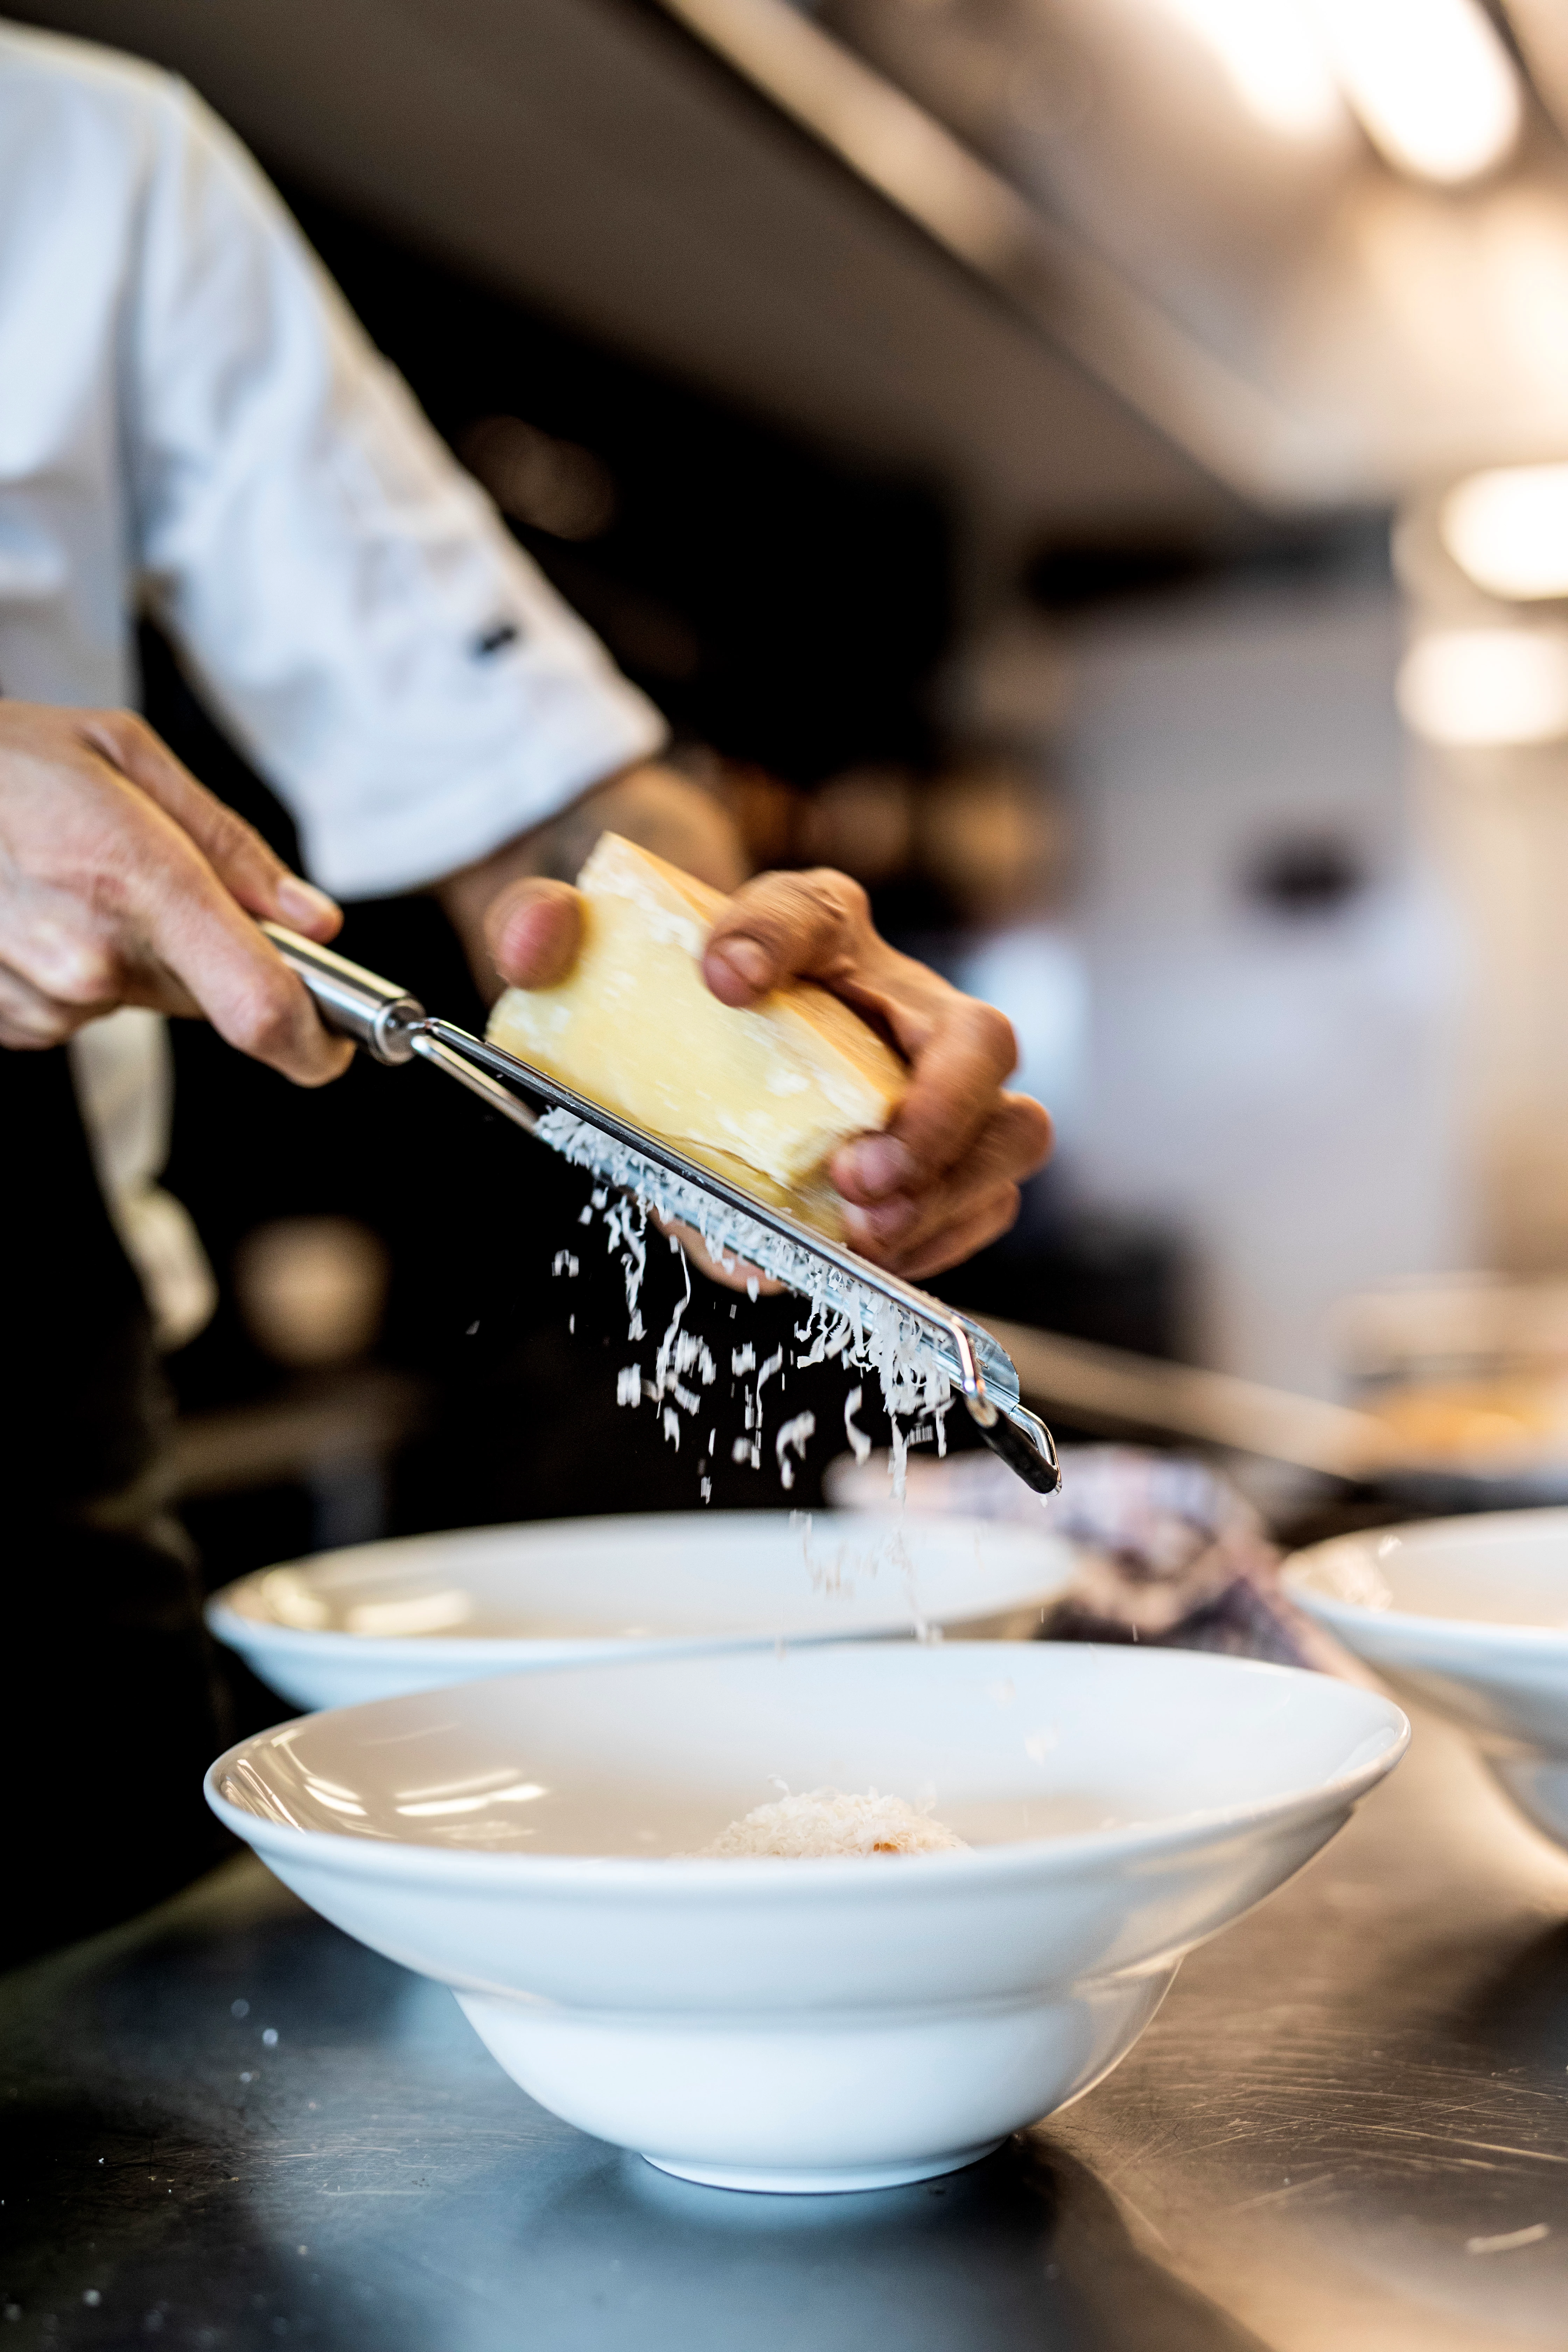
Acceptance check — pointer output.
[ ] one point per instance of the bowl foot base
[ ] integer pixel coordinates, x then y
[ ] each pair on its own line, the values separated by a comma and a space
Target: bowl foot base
833, 2182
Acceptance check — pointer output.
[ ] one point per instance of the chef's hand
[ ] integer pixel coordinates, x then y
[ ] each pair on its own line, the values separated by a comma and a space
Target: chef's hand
941, 1179
122, 881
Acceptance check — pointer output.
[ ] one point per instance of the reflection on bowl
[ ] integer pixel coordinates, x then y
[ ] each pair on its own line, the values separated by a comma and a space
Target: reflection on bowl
824, 2024
1470, 1615
429, 1609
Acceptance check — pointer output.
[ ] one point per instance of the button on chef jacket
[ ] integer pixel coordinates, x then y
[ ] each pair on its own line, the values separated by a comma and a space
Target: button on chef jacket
191, 420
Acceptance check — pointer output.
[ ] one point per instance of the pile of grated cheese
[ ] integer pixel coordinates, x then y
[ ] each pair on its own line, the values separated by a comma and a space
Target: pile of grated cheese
821, 1824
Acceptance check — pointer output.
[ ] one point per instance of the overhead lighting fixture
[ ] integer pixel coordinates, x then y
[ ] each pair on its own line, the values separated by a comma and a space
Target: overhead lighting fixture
1436, 92
1469, 688
1508, 529
1240, 431
881, 133
1273, 59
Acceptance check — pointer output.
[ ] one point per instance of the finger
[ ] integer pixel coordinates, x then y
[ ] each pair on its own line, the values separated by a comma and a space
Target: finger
57, 946
234, 850
782, 926
534, 930
56, 950
175, 937
23, 1041
1014, 1142
904, 1228
905, 1224
983, 1221
192, 928
30, 1018
232, 975
67, 964
986, 1224
952, 1095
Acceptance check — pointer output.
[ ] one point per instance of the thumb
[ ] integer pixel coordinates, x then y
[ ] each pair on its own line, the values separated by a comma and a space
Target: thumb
534, 930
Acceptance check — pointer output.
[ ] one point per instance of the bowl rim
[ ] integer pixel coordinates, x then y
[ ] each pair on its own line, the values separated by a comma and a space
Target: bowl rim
240, 1631
576, 1649
1488, 1633
1062, 1854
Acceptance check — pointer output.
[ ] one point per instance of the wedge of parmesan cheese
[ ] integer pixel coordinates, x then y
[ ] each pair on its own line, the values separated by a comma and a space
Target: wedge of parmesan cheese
821, 1823
764, 1097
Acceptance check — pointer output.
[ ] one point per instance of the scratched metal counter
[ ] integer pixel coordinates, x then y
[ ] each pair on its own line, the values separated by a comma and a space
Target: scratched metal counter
1347, 2131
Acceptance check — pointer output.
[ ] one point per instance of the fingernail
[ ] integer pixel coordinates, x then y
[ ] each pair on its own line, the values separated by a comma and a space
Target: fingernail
881, 1164
301, 902
748, 960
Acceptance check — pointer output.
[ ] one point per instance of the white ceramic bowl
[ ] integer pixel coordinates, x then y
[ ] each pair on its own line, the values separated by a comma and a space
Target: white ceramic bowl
430, 1610
826, 2024
1473, 1616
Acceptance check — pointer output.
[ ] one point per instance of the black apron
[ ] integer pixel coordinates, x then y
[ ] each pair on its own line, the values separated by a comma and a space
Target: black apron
111, 1708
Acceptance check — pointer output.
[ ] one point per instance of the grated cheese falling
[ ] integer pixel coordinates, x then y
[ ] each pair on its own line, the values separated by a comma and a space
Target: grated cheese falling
793, 1432
852, 1430
823, 1825
843, 1324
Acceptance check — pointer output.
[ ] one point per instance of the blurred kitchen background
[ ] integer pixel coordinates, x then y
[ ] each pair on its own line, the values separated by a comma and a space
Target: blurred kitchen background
1095, 469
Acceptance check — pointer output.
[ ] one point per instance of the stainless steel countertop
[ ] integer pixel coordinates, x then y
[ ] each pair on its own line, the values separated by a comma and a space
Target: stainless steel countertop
1340, 2098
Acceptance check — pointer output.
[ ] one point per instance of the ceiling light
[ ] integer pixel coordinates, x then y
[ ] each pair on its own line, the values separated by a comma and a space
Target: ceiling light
1436, 90
1478, 687
1508, 529
880, 132
1273, 58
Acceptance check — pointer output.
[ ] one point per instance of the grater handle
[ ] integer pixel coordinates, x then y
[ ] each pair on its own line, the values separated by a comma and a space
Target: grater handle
1024, 1442
353, 1003
1017, 1436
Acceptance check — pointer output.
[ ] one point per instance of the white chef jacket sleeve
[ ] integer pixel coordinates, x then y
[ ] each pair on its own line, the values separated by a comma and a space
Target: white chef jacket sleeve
379, 644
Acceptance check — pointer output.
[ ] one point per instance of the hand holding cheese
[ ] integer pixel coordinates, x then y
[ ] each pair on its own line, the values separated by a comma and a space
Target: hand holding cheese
728, 1026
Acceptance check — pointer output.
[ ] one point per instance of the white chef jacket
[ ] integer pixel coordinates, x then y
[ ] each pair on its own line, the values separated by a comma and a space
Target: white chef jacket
190, 418
190, 414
